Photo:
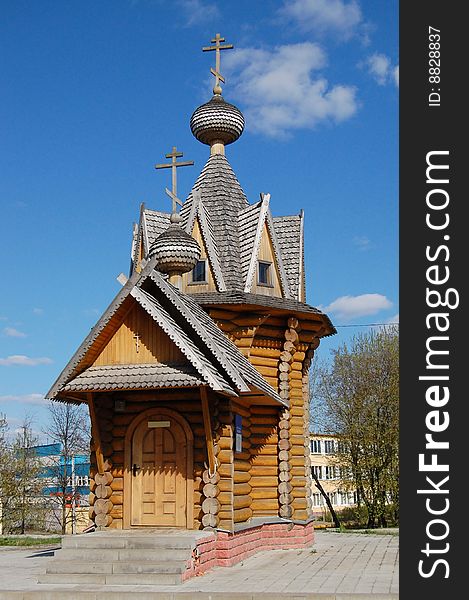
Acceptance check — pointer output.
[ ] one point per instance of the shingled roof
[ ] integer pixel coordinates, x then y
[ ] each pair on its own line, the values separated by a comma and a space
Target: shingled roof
213, 359
231, 229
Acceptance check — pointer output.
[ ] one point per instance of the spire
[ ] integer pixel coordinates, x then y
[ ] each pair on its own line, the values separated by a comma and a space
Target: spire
217, 123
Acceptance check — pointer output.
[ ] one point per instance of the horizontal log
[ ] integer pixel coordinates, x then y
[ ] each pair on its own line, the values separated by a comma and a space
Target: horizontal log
225, 498
226, 470
258, 361
198, 497
242, 465
266, 430
260, 504
117, 498
259, 439
240, 477
285, 498
266, 460
262, 471
242, 515
265, 352
297, 461
226, 485
226, 524
284, 465
284, 476
283, 456
263, 450
119, 431
225, 456
297, 450
299, 503
117, 483
117, 512
259, 409
241, 489
264, 481
246, 455
268, 371
225, 513
284, 444
241, 501
264, 492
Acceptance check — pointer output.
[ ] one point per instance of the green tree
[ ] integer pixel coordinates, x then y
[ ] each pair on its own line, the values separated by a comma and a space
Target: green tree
360, 391
19, 482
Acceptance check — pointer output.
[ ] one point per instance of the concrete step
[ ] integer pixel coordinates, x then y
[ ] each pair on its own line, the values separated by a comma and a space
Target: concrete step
101, 568
112, 578
90, 540
125, 554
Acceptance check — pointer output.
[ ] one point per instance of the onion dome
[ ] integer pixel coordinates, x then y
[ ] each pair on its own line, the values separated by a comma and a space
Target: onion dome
217, 121
176, 251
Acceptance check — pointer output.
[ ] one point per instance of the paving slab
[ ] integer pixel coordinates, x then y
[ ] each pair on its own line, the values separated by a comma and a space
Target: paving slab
338, 566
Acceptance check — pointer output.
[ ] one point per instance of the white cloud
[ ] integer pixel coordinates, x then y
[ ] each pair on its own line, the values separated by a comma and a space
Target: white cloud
198, 11
393, 319
26, 361
12, 332
38, 311
362, 243
325, 16
351, 307
281, 94
379, 66
24, 399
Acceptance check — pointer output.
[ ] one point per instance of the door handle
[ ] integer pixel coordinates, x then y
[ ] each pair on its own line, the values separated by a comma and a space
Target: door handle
135, 468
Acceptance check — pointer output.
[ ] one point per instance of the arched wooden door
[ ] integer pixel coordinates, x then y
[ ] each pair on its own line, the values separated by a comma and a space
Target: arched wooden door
159, 470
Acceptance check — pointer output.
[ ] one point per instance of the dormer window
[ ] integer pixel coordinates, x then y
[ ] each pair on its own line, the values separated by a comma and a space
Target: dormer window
264, 273
199, 272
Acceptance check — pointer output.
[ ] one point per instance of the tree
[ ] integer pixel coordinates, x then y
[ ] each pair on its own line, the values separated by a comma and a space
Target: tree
361, 393
68, 427
20, 486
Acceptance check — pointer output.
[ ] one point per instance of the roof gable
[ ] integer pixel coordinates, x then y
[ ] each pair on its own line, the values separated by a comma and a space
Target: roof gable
215, 359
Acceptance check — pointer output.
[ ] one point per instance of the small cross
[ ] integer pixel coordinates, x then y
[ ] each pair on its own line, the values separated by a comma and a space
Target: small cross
216, 72
137, 341
173, 165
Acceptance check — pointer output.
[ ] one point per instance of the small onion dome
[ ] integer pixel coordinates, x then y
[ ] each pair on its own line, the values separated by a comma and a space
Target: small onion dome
176, 251
217, 121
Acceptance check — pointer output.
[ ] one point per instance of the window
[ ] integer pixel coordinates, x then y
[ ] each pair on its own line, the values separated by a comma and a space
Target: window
316, 446
263, 273
329, 447
199, 272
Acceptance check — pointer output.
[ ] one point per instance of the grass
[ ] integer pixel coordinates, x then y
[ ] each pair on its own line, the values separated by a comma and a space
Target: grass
25, 540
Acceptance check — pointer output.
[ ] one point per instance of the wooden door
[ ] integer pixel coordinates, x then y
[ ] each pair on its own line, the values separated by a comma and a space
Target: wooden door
159, 473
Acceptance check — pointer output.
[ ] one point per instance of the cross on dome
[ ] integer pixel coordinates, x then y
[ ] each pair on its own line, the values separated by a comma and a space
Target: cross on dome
173, 165
216, 72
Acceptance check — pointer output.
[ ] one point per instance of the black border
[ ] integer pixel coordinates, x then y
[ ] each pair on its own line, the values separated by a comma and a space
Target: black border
424, 128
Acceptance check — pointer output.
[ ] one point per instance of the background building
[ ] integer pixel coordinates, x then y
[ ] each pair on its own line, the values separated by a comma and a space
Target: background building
331, 476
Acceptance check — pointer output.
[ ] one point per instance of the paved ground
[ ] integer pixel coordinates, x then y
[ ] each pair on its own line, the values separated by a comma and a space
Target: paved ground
338, 565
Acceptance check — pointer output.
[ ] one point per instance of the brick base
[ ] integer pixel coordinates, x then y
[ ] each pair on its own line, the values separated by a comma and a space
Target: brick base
223, 549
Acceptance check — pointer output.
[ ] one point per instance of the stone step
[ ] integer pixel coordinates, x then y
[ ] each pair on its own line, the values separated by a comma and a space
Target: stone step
101, 568
125, 554
89, 540
111, 578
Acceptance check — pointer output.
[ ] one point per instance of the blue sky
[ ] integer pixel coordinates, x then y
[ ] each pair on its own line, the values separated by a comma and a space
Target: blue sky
94, 93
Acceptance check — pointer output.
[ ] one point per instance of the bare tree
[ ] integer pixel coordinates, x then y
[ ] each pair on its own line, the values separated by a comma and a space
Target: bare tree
68, 427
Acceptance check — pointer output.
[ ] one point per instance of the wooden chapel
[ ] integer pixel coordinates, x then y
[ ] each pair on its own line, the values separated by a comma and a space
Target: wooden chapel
196, 375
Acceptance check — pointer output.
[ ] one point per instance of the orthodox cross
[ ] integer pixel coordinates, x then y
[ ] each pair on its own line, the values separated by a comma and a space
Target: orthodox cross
137, 341
173, 165
216, 72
